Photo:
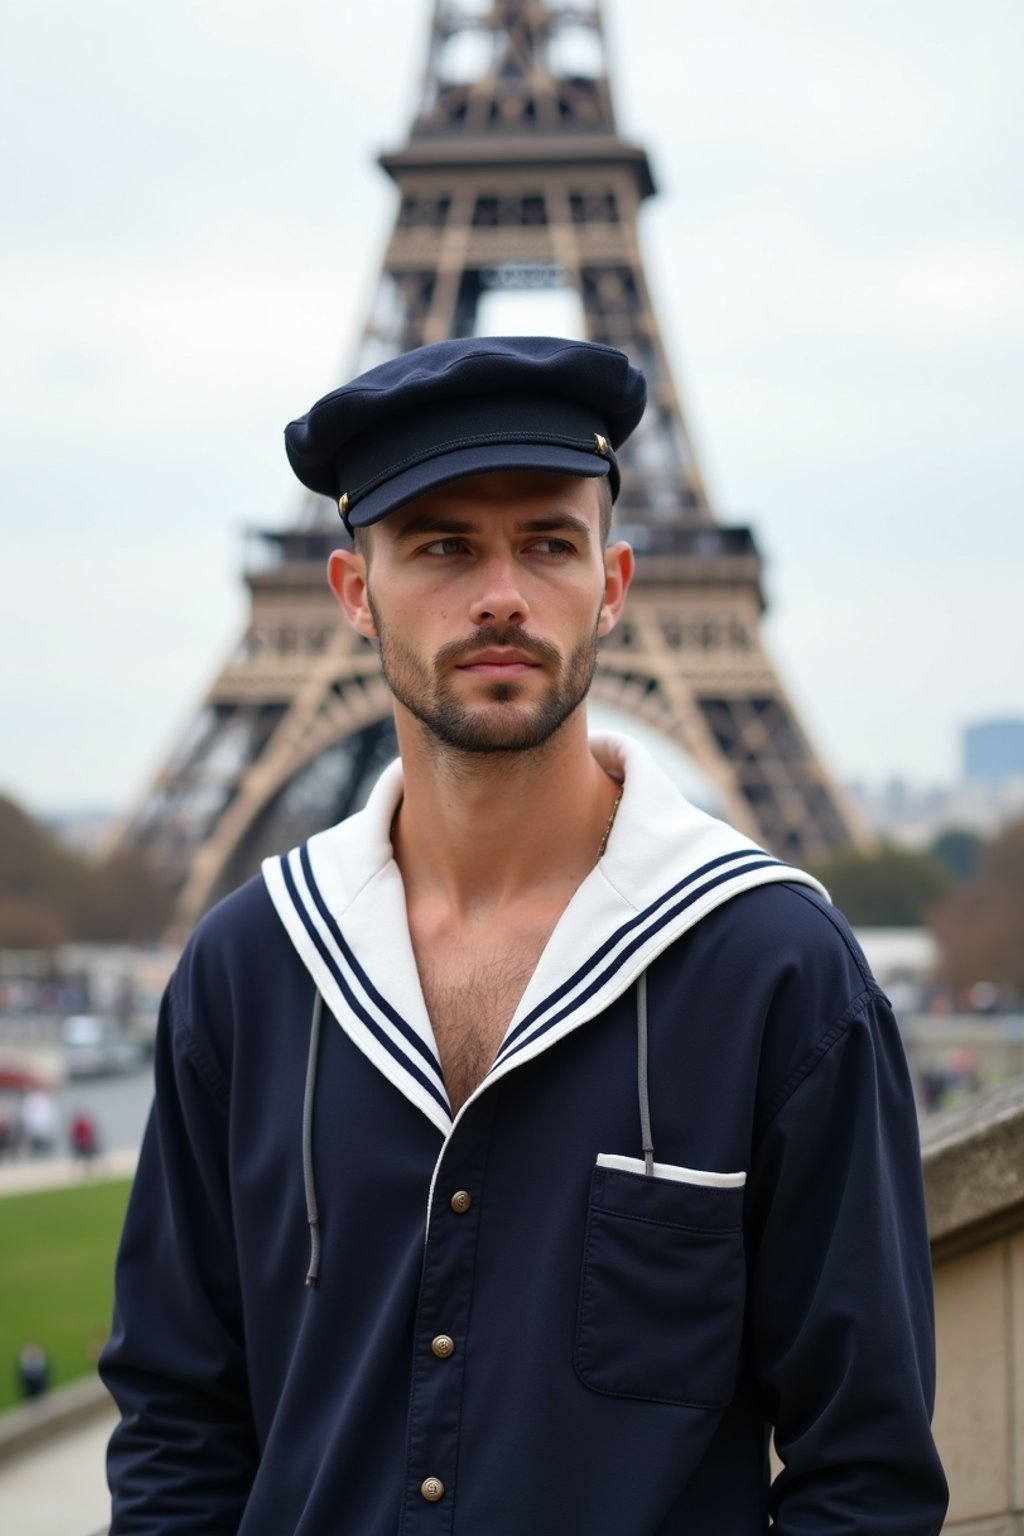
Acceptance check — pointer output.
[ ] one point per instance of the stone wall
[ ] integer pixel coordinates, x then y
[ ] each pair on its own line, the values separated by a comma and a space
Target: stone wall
974, 1183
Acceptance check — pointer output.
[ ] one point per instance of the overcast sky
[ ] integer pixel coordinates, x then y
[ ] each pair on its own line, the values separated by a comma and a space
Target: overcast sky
193, 225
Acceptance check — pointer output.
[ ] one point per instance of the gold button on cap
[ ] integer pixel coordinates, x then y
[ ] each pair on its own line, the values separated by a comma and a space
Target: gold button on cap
443, 1346
601, 444
461, 1201
432, 1489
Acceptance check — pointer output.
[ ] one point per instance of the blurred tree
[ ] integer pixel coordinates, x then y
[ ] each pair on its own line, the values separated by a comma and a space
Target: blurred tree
980, 925
49, 894
889, 888
29, 924
125, 901
958, 851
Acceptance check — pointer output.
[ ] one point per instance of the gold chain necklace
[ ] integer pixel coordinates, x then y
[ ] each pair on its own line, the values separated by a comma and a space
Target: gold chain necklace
606, 834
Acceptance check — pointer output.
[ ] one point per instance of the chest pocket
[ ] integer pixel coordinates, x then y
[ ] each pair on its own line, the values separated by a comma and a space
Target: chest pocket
663, 1283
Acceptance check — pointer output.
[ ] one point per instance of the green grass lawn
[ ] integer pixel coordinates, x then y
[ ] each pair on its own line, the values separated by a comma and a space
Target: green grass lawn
57, 1277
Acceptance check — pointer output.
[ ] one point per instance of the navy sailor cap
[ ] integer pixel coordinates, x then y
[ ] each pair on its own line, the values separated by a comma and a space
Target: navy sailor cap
466, 407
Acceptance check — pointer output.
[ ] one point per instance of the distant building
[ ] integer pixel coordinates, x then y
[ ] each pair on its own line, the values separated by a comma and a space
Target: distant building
989, 794
993, 752
913, 816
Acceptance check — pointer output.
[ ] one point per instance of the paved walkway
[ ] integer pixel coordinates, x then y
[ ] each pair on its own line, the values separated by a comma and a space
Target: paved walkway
59, 1488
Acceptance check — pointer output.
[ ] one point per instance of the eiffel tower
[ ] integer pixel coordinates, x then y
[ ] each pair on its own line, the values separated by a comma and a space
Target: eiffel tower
514, 178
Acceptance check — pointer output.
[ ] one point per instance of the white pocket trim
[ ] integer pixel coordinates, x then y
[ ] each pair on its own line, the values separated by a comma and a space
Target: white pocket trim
672, 1171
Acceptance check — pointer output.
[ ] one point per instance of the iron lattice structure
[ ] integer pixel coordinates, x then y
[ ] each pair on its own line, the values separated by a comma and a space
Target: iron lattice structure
514, 177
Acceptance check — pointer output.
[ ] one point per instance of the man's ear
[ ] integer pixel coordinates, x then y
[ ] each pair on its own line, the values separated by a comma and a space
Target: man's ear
618, 573
346, 572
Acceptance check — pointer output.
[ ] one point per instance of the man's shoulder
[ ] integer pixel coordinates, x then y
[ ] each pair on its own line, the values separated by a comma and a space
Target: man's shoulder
244, 917
241, 936
784, 967
238, 974
812, 989
794, 923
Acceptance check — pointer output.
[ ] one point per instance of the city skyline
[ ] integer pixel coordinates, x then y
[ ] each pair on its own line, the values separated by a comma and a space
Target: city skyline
836, 256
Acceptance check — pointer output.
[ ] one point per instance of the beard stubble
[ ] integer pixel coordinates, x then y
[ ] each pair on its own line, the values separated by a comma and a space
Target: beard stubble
427, 693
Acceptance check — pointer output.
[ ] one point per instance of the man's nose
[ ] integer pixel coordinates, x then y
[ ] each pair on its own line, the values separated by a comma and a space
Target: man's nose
500, 598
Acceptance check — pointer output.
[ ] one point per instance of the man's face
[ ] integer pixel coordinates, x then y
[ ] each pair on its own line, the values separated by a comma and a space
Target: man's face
487, 598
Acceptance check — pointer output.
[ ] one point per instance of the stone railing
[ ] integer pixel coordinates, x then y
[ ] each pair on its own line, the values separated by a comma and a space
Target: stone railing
974, 1183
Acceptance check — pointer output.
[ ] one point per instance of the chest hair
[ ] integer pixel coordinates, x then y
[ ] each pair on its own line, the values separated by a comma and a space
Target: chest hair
471, 995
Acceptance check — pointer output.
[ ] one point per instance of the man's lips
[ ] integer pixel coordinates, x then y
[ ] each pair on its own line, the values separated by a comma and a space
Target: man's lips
499, 663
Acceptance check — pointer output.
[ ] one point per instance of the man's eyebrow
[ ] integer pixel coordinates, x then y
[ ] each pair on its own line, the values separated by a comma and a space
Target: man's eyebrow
555, 522
433, 522
439, 524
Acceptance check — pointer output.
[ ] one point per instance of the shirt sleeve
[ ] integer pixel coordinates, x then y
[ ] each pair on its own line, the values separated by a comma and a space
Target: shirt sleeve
184, 1455
841, 1327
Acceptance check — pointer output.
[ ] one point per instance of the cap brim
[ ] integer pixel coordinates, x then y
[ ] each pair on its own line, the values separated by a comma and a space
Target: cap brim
482, 459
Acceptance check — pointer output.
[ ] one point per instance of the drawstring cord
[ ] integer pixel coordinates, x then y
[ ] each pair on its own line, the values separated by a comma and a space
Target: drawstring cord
312, 1213
642, 1074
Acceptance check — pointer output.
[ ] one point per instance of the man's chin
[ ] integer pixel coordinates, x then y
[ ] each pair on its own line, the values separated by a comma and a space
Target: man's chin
494, 729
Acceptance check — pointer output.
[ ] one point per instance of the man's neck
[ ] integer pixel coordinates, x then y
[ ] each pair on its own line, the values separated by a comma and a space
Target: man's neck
478, 832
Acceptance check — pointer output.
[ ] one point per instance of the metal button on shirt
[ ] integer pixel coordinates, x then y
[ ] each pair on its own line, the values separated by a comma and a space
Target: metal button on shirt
435, 1426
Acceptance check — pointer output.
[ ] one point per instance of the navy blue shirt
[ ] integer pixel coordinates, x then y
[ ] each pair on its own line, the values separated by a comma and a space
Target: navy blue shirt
515, 1328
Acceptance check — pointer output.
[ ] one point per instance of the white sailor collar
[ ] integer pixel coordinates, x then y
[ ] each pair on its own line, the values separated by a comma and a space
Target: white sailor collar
342, 902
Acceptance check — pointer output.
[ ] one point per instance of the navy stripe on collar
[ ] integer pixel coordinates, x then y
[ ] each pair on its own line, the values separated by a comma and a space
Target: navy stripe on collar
358, 1009
515, 1040
634, 922
360, 975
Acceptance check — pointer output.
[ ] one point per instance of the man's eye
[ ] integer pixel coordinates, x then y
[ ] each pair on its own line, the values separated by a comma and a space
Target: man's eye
450, 546
552, 547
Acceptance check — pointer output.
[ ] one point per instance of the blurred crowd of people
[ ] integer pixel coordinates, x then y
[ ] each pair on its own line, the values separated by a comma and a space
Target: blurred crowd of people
30, 1125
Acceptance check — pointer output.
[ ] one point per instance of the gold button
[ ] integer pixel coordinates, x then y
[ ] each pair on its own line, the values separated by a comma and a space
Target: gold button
601, 444
343, 504
432, 1489
443, 1346
461, 1201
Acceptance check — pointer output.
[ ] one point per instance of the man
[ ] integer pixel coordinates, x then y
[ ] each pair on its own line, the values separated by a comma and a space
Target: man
529, 1147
